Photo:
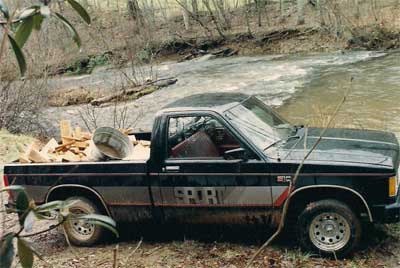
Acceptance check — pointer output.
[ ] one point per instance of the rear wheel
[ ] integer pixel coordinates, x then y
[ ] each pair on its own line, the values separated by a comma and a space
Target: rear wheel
329, 227
79, 232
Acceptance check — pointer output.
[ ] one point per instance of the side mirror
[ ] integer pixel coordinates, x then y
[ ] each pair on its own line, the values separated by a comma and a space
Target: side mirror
238, 153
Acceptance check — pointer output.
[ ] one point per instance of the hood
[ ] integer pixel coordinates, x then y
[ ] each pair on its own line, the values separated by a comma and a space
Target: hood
346, 146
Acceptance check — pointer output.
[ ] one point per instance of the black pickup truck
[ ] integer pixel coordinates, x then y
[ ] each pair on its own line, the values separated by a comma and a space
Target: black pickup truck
228, 159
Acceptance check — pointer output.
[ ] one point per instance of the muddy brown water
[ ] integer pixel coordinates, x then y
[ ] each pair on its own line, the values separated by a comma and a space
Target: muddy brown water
304, 88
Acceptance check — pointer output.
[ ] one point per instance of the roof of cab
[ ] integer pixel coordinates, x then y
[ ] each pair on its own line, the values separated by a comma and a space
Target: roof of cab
206, 101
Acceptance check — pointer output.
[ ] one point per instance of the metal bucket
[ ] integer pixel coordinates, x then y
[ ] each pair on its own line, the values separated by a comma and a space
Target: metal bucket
109, 144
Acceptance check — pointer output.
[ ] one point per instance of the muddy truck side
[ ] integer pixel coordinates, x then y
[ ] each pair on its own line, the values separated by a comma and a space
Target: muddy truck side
229, 159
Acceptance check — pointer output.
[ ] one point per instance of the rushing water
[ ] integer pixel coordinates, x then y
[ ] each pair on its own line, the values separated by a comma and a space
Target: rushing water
302, 87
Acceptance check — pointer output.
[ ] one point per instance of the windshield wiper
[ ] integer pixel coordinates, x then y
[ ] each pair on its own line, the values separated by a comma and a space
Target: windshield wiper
280, 141
287, 126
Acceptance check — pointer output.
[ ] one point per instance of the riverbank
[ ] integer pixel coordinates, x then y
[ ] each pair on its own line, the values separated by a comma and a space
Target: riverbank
163, 33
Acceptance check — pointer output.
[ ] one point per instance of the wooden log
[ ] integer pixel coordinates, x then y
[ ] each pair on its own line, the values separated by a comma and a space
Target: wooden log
50, 147
65, 130
145, 143
37, 157
24, 156
81, 144
164, 82
86, 136
64, 147
70, 157
78, 133
140, 152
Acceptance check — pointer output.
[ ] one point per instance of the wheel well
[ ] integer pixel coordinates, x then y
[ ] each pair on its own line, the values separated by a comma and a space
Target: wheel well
65, 192
302, 198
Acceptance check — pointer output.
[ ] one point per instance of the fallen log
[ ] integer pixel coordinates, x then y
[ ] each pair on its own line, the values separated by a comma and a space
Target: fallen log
164, 82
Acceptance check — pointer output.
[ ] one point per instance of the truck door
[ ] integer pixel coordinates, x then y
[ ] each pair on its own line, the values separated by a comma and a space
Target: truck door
197, 184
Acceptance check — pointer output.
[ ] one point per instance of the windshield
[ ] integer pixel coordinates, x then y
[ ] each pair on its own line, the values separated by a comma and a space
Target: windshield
259, 122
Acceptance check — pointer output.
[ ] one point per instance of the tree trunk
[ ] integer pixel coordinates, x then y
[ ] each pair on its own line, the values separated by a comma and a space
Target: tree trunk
134, 11
320, 4
282, 9
195, 8
300, 12
357, 7
185, 14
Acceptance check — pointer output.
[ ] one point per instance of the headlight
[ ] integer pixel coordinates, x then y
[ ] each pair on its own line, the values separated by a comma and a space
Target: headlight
393, 186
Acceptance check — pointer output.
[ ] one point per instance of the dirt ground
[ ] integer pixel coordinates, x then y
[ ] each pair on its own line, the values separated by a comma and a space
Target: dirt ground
201, 246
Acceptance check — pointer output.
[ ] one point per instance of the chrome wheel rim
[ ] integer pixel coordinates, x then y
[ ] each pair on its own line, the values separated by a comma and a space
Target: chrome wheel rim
329, 231
81, 228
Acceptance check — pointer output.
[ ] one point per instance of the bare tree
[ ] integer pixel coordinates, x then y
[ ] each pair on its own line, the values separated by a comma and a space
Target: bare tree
300, 12
282, 9
214, 19
134, 11
320, 8
185, 14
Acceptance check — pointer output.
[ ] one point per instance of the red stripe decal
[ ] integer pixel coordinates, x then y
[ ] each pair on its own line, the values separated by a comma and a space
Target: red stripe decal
281, 199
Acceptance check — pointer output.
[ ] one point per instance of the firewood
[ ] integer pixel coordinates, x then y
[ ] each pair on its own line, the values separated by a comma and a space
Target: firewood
78, 133
50, 146
145, 143
140, 152
65, 130
64, 147
70, 157
86, 136
81, 144
23, 159
37, 157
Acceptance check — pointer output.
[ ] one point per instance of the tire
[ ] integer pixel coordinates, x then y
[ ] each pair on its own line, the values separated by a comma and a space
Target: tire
80, 233
329, 228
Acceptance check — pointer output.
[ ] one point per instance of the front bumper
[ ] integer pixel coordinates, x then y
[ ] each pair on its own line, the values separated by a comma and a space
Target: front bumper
387, 213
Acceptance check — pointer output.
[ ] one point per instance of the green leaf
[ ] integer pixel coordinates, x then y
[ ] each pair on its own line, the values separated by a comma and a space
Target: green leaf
4, 10
50, 206
16, 188
37, 22
105, 225
28, 12
23, 32
80, 10
45, 11
97, 217
19, 55
22, 205
71, 28
25, 254
101, 220
6, 250
29, 221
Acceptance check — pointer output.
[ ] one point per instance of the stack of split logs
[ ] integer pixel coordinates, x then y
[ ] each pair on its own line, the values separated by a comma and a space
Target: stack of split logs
72, 147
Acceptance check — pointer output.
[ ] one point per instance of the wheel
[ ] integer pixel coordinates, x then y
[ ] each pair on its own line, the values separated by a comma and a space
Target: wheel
328, 227
79, 232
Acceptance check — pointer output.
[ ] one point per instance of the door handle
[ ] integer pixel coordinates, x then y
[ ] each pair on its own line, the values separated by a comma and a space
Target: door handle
171, 169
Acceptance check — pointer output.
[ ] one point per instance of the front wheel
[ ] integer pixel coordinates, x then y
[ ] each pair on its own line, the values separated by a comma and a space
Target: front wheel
329, 227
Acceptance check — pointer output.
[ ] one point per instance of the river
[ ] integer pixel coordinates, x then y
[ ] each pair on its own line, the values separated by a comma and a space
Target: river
303, 88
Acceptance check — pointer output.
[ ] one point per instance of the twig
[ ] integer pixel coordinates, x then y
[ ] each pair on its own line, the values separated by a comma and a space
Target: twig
43, 231
133, 251
293, 182
115, 256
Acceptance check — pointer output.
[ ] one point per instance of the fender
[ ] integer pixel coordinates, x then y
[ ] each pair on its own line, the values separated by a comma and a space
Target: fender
82, 187
338, 187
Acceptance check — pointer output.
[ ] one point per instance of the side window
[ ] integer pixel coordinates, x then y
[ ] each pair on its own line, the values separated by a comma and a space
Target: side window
198, 137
